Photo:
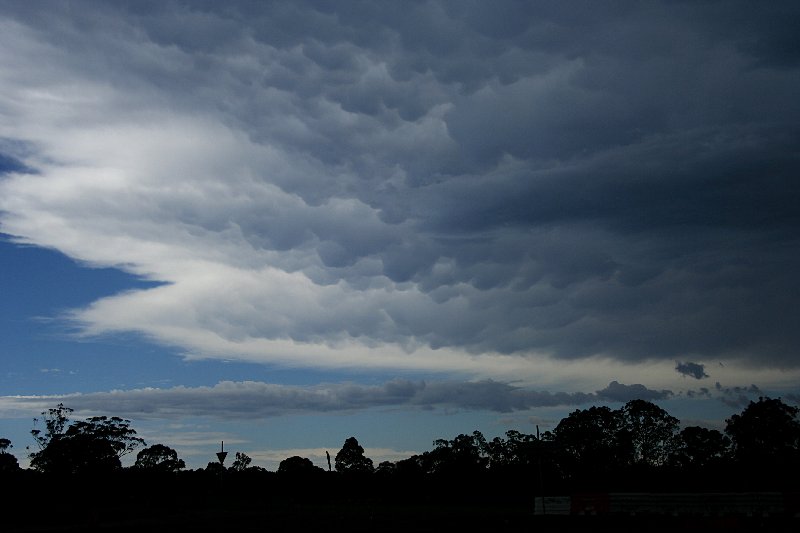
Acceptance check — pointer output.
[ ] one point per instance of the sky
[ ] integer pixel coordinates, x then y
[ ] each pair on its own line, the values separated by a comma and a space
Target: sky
282, 224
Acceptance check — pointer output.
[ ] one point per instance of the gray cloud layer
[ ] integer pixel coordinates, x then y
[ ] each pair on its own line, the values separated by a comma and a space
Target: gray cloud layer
515, 177
243, 400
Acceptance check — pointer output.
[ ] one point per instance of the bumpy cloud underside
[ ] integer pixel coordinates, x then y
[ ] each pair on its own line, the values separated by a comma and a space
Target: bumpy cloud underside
354, 183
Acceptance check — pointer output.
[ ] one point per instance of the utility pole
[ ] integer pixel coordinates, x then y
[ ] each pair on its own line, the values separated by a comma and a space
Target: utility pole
541, 477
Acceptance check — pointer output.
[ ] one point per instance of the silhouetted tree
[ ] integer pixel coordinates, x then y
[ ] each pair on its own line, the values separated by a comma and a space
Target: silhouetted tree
592, 441
8, 463
413, 466
160, 458
76, 454
214, 467
516, 451
115, 430
766, 432
55, 421
351, 458
651, 431
386, 468
92, 445
464, 454
241, 462
698, 447
297, 465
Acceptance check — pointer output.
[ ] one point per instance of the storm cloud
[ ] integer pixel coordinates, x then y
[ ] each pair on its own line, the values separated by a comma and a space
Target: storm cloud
351, 184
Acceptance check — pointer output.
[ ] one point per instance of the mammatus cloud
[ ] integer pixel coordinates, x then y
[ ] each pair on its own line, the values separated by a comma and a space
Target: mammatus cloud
695, 370
415, 186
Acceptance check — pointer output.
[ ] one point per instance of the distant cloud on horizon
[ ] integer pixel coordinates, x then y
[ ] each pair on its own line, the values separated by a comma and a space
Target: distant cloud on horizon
251, 399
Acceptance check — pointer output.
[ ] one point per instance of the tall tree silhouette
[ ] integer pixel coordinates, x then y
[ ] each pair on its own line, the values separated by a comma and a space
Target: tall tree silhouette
591, 442
651, 431
351, 458
767, 432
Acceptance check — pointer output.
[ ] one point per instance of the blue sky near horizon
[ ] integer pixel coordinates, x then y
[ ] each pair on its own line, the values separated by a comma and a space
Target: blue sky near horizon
38, 286
281, 224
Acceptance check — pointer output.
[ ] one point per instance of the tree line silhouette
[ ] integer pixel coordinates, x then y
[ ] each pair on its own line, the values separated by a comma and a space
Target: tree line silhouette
583, 449
638, 447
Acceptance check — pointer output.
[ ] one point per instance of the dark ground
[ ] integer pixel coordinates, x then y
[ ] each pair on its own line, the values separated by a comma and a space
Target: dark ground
269, 503
384, 518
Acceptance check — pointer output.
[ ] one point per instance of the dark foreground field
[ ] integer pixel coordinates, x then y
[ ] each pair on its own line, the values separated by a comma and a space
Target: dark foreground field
386, 518
238, 505
131, 501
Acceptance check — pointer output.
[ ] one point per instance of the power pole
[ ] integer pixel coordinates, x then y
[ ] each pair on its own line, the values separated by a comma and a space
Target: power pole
541, 477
